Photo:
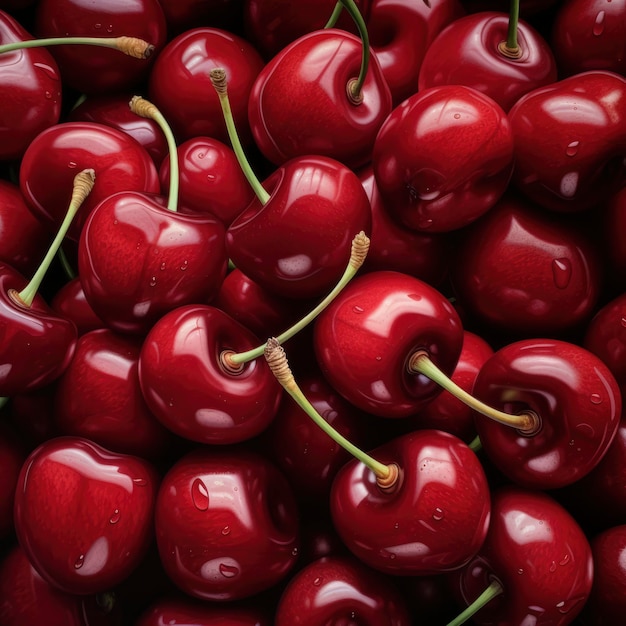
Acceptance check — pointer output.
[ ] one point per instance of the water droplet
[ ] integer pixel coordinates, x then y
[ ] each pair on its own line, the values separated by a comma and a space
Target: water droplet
226, 531
48, 94
396, 525
317, 582
595, 398
228, 571
561, 272
153, 281
623, 322
572, 148
48, 70
200, 495
162, 267
72, 165
392, 556
565, 606
110, 28
201, 155
598, 26
171, 402
294, 552
520, 571
210, 177
379, 358
138, 245
353, 615
426, 222
586, 430
438, 514
115, 222
553, 566
571, 442
97, 26
115, 518
140, 482
357, 309
457, 116
564, 560
79, 562
184, 265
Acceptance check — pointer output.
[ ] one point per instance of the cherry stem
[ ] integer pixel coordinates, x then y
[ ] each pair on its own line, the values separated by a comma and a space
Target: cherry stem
494, 589
386, 475
132, 46
355, 86
358, 252
510, 48
219, 82
83, 184
4, 400
475, 445
334, 16
65, 264
420, 363
144, 108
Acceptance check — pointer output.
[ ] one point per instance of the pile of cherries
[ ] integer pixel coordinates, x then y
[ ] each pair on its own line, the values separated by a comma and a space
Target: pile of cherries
330, 327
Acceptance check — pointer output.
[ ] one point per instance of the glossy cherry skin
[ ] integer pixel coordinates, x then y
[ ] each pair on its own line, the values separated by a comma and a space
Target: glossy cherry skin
443, 158
137, 260
25, 598
56, 155
181, 88
613, 224
590, 35
336, 590
540, 556
189, 390
576, 398
570, 141
432, 521
211, 180
401, 32
280, 244
466, 53
69, 302
317, 68
97, 70
83, 514
36, 344
12, 455
30, 85
114, 110
607, 601
526, 272
98, 397
226, 524
364, 339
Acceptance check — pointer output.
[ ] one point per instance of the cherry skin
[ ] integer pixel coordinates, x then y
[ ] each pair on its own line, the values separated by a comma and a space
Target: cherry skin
189, 389
180, 86
443, 157
182, 16
137, 260
70, 302
98, 397
97, 70
569, 141
576, 398
336, 590
226, 524
56, 155
525, 272
299, 259
432, 521
539, 555
467, 52
590, 35
12, 455
613, 223
30, 84
317, 68
83, 514
364, 339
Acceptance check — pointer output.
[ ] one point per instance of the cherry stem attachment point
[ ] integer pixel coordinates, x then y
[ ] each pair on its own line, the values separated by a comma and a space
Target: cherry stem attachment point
358, 252
144, 108
219, 82
527, 423
354, 87
131, 46
510, 48
83, 184
386, 475
492, 591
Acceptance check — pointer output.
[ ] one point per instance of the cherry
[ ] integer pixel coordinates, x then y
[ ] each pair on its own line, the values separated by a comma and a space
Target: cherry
443, 157
226, 524
83, 514
70, 302
12, 455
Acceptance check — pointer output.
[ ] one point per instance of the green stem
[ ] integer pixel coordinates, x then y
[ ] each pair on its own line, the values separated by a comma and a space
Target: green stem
356, 86
475, 444
332, 20
494, 589
360, 246
218, 79
132, 46
276, 358
144, 108
83, 184
65, 264
510, 48
420, 363
3, 401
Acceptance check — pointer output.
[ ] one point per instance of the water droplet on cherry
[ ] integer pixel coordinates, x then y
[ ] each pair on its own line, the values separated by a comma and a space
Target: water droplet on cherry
595, 398
586, 429
200, 495
228, 571
97, 26
226, 531
564, 560
438, 514
561, 272
153, 281
457, 116
79, 562
317, 582
48, 95
72, 165
115, 518
623, 322
162, 267
357, 309
553, 566
598, 26
520, 571
572, 148
184, 265
140, 482
109, 28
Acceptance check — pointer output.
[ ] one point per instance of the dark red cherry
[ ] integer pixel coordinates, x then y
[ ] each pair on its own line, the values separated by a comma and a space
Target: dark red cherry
70, 302
12, 454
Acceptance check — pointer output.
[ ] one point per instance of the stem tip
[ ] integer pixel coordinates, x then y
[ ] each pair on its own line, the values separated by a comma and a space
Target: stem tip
218, 79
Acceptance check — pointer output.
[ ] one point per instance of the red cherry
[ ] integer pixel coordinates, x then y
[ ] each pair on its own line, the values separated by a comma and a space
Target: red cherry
83, 515
12, 455
70, 302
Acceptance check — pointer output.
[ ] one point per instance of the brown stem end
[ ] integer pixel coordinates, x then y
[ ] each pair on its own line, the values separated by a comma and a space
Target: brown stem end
227, 363
355, 95
277, 361
389, 482
135, 47
508, 52
142, 107
218, 79
83, 184
360, 248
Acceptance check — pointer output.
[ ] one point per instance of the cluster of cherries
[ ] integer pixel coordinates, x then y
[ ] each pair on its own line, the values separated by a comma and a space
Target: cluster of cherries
381, 387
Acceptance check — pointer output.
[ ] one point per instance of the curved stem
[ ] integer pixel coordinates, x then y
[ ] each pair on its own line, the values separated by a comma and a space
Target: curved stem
475, 445
420, 363
132, 46
142, 107
334, 16
355, 86
386, 475
219, 81
83, 184
360, 247
510, 48
494, 589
